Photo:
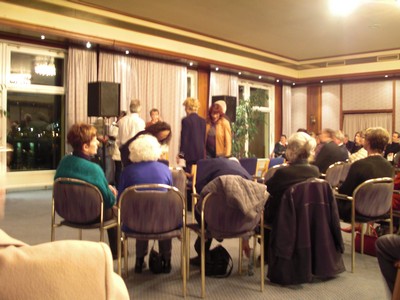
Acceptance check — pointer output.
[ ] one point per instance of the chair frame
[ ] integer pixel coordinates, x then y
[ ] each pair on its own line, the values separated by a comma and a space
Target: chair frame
101, 225
340, 165
203, 233
373, 219
124, 238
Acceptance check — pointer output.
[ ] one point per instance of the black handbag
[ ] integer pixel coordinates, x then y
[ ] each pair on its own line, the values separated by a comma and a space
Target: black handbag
155, 261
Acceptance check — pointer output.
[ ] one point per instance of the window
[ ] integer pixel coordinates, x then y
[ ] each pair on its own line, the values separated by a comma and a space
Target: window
34, 96
264, 140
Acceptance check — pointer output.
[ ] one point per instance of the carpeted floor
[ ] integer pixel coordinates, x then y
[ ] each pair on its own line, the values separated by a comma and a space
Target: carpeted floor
28, 218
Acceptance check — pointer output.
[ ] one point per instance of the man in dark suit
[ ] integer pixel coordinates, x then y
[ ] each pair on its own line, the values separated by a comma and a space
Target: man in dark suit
330, 152
193, 135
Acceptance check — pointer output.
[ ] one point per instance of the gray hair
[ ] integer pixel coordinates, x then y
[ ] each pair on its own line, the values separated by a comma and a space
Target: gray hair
134, 107
145, 148
300, 146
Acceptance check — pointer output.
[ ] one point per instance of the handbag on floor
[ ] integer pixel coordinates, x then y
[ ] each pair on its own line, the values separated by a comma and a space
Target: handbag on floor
220, 263
369, 242
155, 260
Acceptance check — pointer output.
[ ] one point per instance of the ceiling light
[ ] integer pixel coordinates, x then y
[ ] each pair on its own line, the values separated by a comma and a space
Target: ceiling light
322, 81
343, 7
126, 52
294, 83
239, 73
386, 76
277, 80
88, 45
191, 63
260, 77
42, 37
216, 69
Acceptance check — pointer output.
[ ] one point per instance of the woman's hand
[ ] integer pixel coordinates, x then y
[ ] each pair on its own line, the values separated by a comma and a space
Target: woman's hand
113, 190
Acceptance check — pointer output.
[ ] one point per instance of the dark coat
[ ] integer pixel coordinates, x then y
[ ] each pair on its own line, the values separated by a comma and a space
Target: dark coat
193, 138
329, 154
306, 240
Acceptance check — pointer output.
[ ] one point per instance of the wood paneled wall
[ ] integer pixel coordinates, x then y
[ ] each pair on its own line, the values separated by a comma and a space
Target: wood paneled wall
314, 108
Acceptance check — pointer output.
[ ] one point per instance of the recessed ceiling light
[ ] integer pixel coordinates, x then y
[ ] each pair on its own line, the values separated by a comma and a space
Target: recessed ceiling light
191, 63
386, 76
294, 83
277, 80
42, 37
216, 69
126, 52
239, 73
322, 81
260, 77
88, 45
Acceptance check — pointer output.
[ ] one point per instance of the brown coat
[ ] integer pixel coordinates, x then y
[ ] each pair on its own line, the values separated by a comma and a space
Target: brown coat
223, 137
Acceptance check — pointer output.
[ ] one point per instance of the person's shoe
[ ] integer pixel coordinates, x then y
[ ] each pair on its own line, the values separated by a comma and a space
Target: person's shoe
195, 261
139, 265
166, 266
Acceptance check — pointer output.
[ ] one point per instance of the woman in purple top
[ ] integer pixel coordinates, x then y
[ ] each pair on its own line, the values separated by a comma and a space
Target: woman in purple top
145, 169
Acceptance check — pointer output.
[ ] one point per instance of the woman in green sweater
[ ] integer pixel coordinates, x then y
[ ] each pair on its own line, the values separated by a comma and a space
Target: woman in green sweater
83, 139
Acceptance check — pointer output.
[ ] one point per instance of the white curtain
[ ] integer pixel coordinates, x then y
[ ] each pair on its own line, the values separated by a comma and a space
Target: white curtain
356, 122
156, 85
223, 84
82, 69
286, 111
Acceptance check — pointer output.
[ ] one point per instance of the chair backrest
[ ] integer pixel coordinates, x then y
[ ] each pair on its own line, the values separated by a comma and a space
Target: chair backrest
270, 172
223, 216
151, 208
373, 198
334, 173
275, 161
250, 164
77, 201
179, 179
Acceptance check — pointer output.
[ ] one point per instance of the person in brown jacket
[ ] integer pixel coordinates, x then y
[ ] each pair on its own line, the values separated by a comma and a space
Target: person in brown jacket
218, 133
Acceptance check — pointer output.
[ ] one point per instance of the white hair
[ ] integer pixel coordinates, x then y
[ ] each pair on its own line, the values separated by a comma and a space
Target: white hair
300, 146
145, 148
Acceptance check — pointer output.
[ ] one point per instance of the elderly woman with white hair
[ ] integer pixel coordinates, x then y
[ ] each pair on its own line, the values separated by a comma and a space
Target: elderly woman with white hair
298, 169
145, 169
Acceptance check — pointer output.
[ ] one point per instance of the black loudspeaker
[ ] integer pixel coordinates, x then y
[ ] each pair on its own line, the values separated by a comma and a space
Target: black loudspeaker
230, 106
103, 99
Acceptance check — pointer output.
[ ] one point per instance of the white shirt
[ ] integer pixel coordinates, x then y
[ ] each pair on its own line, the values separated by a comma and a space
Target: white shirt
128, 126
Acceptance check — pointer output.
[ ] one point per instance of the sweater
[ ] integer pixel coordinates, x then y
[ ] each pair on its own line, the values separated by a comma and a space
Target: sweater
79, 168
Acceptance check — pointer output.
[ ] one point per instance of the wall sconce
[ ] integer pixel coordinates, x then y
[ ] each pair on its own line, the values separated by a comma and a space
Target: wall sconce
313, 119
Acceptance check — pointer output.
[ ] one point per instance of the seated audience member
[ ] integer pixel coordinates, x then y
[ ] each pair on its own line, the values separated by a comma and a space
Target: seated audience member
300, 146
373, 166
361, 152
207, 170
161, 130
357, 142
280, 147
338, 138
393, 147
57, 270
349, 144
82, 137
388, 253
329, 152
144, 153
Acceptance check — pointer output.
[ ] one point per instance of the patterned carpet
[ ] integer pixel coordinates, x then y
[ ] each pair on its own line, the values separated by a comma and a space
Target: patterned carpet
28, 218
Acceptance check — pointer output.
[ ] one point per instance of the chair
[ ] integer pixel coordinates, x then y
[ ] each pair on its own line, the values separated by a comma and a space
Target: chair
262, 167
192, 187
336, 173
179, 179
371, 202
270, 172
81, 206
307, 224
152, 212
222, 217
250, 164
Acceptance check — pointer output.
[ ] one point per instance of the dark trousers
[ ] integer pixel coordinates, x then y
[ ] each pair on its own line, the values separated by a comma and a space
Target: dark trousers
197, 244
164, 246
112, 232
